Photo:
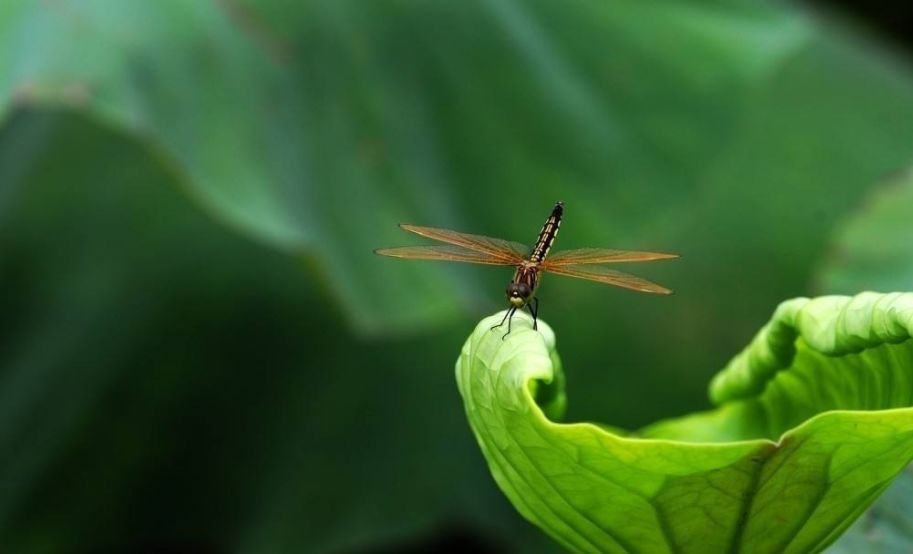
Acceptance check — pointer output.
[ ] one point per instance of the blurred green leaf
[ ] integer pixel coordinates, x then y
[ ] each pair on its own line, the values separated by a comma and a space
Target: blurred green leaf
167, 384
814, 421
873, 250
318, 126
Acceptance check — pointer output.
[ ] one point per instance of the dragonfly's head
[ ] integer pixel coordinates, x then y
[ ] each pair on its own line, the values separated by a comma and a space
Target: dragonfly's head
518, 294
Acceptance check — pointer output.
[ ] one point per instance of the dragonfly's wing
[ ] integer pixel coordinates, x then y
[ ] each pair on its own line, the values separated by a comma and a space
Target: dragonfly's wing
608, 276
602, 256
442, 252
503, 250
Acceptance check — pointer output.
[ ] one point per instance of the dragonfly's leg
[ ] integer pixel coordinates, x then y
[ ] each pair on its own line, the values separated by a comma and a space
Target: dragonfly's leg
534, 309
507, 313
509, 321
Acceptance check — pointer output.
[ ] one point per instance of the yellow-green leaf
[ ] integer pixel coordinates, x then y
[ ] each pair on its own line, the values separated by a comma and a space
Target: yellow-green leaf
814, 420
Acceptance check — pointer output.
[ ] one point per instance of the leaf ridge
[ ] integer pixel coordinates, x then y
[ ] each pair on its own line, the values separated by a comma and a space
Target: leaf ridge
876, 319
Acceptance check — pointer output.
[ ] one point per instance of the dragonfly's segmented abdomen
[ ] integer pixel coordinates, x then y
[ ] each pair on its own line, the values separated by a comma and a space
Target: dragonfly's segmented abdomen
547, 234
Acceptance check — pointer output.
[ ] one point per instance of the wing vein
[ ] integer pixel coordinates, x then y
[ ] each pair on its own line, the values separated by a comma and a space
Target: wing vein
504, 250
609, 277
447, 253
603, 256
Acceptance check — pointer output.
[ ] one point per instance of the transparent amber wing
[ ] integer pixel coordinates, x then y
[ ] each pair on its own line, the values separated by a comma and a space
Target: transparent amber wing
446, 253
609, 277
504, 250
602, 256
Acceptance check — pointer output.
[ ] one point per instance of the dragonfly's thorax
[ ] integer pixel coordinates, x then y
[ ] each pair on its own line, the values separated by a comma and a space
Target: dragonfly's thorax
523, 287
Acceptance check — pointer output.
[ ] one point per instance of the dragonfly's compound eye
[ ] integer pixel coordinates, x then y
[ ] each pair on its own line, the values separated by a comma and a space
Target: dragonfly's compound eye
519, 292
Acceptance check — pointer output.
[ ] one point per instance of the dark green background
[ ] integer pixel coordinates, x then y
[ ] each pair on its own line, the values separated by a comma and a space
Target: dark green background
198, 350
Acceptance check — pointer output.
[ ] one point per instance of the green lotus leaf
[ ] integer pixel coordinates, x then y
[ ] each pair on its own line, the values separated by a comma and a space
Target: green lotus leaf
813, 421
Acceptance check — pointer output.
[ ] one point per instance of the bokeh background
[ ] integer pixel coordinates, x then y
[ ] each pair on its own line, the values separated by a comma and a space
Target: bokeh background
199, 351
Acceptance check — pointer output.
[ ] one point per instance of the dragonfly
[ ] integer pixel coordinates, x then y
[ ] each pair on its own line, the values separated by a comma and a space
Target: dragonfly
530, 263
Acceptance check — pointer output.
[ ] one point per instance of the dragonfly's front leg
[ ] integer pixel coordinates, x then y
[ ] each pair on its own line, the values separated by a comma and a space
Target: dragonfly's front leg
509, 317
534, 309
510, 313
509, 321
